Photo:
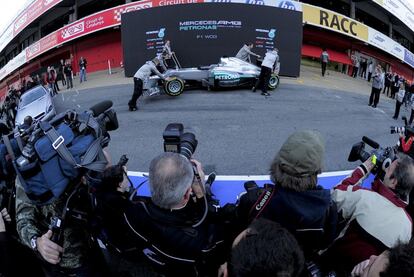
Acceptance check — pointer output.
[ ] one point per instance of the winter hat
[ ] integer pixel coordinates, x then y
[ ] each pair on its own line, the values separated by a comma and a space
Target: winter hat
302, 154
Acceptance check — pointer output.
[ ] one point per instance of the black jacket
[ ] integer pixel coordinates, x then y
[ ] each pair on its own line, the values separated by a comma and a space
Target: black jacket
311, 215
142, 227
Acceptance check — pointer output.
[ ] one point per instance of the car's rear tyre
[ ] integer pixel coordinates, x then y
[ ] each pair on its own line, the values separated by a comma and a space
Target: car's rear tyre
174, 86
273, 81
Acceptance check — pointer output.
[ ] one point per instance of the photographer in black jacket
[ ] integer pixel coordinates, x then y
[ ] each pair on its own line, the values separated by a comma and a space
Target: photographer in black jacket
296, 201
177, 227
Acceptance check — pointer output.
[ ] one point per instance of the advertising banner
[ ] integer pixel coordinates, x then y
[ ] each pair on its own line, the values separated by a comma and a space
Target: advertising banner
6, 37
385, 43
33, 11
41, 46
12, 65
95, 22
409, 57
290, 5
201, 34
334, 21
402, 9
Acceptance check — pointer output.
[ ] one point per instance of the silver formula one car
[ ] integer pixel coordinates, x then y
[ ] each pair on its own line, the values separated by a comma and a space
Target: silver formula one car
229, 73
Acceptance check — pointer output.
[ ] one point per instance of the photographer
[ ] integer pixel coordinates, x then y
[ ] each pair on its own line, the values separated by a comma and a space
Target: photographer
178, 220
398, 261
12, 252
264, 249
375, 218
295, 200
5, 261
73, 257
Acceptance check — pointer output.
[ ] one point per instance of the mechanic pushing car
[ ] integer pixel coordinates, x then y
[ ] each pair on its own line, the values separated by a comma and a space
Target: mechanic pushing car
245, 52
143, 73
268, 66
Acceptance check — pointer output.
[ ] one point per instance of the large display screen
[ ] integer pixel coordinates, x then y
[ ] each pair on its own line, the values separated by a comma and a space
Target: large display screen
202, 33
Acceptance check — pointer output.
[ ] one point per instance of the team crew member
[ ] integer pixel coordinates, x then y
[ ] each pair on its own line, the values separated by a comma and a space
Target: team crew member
245, 52
143, 73
270, 60
324, 60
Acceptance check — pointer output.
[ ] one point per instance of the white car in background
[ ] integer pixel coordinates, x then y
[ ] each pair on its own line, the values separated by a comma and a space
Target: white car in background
36, 102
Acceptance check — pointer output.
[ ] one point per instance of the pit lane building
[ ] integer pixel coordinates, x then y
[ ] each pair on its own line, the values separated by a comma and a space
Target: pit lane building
46, 31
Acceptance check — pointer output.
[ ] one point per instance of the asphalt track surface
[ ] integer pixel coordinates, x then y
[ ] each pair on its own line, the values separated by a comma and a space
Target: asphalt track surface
239, 132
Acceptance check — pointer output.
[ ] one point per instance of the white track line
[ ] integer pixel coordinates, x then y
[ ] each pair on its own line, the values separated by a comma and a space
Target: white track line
250, 177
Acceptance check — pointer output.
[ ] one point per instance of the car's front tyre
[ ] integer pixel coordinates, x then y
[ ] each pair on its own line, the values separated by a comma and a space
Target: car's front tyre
174, 86
273, 81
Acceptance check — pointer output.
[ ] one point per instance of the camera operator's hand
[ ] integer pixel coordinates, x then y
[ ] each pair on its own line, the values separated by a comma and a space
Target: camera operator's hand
4, 216
49, 250
198, 188
369, 165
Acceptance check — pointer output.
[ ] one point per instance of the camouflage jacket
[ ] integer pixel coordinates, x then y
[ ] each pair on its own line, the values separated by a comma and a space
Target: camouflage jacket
32, 220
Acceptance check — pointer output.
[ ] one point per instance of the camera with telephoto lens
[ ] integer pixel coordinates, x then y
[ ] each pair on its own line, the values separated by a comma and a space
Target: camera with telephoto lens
177, 141
406, 130
384, 156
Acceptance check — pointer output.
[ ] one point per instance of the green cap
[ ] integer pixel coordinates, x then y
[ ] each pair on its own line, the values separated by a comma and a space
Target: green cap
302, 154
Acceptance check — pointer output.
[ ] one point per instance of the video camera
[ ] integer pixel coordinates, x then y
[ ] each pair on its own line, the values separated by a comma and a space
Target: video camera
105, 117
384, 156
178, 142
406, 130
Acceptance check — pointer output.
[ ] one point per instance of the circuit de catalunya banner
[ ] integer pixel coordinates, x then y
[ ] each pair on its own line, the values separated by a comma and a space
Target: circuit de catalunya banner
228, 188
27, 16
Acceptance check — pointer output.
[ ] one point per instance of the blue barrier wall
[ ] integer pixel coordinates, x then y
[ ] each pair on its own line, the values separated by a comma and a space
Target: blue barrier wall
226, 188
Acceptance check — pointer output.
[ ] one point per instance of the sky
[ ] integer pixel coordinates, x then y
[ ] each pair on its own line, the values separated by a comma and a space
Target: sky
9, 10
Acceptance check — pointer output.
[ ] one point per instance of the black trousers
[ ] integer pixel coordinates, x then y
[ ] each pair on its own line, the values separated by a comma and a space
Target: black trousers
62, 78
323, 68
394, 90
355, 71
411, 117
138, 84
386, 88
69, 81
56, 87
369, 76
264, 77
375, 95
397, 108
